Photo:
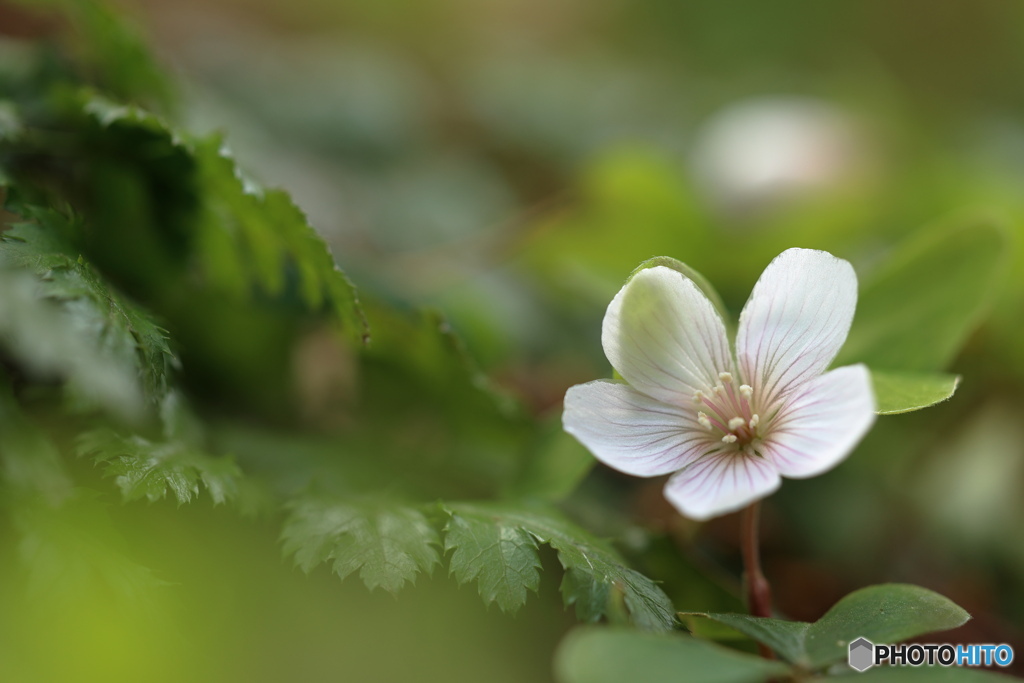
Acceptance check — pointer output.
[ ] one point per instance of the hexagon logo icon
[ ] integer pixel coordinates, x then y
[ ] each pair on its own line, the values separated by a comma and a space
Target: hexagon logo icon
862, 654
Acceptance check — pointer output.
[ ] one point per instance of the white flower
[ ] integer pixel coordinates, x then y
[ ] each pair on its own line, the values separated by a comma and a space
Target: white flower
728, 428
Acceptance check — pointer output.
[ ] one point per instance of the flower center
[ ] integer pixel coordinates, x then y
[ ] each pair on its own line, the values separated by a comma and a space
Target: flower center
728, 411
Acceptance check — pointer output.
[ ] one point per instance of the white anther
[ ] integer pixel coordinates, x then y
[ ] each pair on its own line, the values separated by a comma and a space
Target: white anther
725, 377
719, 389
746, 391
698, 397
702, 418
736, 423
754, 420
729, 438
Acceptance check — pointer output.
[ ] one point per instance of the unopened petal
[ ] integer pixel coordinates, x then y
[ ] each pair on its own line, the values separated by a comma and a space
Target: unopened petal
720, 483
822, 422
795, 321
664, 337
632, 432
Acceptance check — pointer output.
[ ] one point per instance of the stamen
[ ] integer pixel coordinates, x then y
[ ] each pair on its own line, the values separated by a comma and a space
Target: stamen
698, 397
754, 421
702, 418
725, 377
745, 391
729, 438
735, 423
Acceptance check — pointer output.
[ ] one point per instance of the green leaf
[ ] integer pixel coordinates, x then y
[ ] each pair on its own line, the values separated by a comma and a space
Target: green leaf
615, 655
502, 558
255, 236
596, 578
389, 543
474, 440
887, 613
108, 51
786, 638
931, 674
144, 469
246, 237
914, 313
64, 340
903, 392
120, 327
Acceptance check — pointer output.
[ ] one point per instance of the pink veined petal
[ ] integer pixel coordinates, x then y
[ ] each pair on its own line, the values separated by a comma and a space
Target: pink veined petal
632, 432
821, 422
795, 321
664, 337
721, 482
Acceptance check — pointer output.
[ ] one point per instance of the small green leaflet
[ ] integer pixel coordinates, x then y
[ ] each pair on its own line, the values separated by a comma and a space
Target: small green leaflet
119, 327
617, 655
501, 557
66, 342
246, 235
110, 53
915, 311
903, 392
387, 542
931, 674
144, 469
887, 613
496, 544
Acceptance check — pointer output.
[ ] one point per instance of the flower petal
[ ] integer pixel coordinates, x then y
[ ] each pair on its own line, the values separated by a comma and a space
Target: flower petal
721, 482
630, 431
664, 337
795, 321
821, 422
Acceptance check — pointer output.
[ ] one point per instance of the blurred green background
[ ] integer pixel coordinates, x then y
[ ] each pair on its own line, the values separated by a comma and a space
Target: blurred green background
508, 163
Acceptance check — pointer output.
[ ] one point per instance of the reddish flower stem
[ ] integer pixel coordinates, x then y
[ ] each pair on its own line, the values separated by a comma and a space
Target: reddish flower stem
759, 592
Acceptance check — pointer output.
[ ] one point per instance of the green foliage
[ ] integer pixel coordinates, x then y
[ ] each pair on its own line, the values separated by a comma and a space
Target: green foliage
916, 310
387, 542
932, 674
109, 53
610, 655
245, 237
67, 341
502, 538
250, 236
887, 613
615, 655
501, 557
144, 469
463, 437
902, 392
118, 327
